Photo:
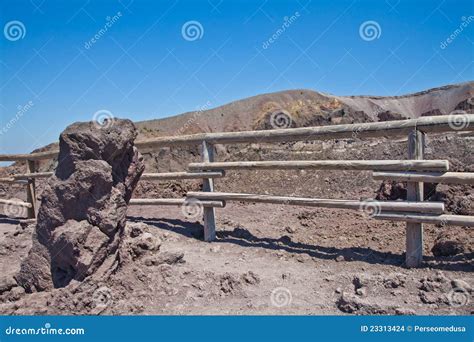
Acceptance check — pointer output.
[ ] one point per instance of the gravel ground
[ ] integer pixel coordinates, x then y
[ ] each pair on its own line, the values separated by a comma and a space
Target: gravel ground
267, 259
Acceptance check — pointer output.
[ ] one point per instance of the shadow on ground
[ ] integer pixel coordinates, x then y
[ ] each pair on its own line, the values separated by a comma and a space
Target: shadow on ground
10, 220
244, 238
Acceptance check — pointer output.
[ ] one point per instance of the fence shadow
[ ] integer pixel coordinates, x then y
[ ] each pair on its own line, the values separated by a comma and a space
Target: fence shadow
10, 220
189, 229
244, 238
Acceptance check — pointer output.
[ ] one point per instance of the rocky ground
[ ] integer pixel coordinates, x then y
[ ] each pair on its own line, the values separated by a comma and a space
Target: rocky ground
287, 261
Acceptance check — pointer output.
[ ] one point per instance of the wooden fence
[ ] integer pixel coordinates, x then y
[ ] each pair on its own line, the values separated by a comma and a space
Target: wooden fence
415, 171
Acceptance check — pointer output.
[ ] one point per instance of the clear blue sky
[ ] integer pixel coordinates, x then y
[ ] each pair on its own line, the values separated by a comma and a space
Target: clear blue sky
142, 67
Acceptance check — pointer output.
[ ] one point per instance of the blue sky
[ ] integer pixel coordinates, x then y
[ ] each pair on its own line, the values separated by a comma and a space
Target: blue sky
144, 64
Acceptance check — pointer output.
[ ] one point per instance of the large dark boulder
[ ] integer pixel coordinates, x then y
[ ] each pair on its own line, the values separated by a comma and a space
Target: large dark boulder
83, 208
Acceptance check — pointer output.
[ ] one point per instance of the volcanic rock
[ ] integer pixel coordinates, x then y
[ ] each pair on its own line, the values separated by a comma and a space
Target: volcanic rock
393, 190
82, 215
458, 199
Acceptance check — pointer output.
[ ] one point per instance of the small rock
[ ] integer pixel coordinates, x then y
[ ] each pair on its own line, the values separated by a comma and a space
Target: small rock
250, 278
352, 304
290, 230
136, 229
7, 283
360, 281
429, 297
145, 242
405, 311
441, 278
395, 281
215, 249
338, 290
461, 284
340, 258
169, 258
361, 292
229, 284
302, 258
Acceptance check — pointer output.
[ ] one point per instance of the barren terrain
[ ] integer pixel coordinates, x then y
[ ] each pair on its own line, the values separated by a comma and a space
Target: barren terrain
267, 259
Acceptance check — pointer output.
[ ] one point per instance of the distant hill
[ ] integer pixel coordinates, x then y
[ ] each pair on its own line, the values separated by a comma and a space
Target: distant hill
297, 108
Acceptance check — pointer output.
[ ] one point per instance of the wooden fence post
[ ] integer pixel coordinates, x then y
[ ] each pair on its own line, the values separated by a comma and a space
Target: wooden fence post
208, 186
30, 189
414, 231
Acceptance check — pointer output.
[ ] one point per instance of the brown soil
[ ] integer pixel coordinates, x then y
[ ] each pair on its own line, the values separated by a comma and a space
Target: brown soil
310, 261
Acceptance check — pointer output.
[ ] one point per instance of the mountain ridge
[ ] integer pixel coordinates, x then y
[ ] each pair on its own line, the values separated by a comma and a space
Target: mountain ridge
305, 107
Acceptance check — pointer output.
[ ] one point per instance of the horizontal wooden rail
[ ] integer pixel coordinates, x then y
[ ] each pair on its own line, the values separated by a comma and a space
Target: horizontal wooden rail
434, 165
435, 124
33, 175
146, 176
376, 206
427, 124
428, 177
17, 203
29, 156
174, 201
455, 220
182, 175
